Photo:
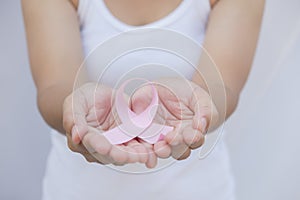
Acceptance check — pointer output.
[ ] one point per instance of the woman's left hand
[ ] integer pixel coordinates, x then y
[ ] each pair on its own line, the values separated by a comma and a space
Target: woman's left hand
185, 106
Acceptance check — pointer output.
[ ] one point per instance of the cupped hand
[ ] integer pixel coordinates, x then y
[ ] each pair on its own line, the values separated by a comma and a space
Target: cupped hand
88, 112
185, 106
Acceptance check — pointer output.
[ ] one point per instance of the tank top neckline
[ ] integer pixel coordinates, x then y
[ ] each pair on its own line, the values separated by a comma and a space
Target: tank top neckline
169, 18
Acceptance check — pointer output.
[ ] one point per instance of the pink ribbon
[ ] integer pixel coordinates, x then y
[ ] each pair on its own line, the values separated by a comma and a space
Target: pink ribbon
136, 125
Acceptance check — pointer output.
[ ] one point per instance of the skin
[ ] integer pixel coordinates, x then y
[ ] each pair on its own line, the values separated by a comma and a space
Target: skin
55, 51
180, 107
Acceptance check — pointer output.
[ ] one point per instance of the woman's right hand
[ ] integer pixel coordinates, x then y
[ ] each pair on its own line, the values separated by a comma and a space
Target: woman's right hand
88, 112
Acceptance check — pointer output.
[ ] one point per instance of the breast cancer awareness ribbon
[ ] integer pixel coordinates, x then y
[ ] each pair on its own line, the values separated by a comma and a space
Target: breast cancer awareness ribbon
136, 125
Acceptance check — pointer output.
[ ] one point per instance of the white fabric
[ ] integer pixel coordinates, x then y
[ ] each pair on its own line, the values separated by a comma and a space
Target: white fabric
70, 177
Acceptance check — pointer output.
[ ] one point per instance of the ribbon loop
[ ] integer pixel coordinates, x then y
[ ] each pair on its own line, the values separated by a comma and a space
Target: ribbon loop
136, 125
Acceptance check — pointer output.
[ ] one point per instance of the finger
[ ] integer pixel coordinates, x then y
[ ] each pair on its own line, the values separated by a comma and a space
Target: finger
74, 113
78, 148
103, 159
181, 152
170, 101
204, 109
199, 143
119, 154
145, 144
91, 159
140, 149
100, 105
68, 119
90, 156
98, 147
79, 129
191, 136
133, 156
152, 159
97, 158
185, 155
162, 149
95, 142
174, 137
200, 123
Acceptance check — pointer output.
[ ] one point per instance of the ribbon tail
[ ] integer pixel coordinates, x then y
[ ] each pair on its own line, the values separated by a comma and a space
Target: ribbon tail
155, 132
116, 136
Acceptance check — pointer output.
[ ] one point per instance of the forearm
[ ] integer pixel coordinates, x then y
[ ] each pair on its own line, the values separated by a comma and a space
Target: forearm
50, 104
229, 48
51, 99
55, 53
223, 96
224, 99
222, 92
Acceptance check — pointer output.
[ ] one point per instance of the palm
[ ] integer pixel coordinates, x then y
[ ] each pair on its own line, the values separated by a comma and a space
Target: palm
178, 108
97, 107
175, 106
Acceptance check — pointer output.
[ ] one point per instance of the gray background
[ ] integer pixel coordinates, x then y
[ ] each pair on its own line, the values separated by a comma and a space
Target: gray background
263, 135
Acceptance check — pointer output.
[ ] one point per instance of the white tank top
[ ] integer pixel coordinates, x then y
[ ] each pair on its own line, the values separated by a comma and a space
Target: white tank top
69, 177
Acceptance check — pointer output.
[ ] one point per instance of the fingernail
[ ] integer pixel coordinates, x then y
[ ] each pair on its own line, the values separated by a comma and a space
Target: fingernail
161, 138
75, 138
75, 135
203, 122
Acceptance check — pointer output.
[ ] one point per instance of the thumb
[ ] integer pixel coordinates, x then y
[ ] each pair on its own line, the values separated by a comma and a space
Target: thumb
74, 121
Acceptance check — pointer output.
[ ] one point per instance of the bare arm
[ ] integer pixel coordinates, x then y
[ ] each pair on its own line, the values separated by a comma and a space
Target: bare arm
231, 41
55, 52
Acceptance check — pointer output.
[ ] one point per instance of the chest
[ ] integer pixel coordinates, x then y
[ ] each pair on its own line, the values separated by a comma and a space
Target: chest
102, 20
141, 12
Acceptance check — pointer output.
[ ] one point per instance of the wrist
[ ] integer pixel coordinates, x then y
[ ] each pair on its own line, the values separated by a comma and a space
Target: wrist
50, 104
224, 99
